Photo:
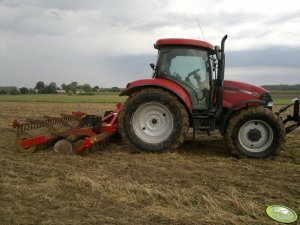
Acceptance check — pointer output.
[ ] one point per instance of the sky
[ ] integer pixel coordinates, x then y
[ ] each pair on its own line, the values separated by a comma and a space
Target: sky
110, 43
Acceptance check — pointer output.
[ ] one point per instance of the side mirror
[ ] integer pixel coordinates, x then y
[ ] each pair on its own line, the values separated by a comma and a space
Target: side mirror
218, 52
152, 66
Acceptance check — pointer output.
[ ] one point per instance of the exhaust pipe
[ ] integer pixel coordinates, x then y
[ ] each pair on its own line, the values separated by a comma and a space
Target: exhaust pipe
220, 77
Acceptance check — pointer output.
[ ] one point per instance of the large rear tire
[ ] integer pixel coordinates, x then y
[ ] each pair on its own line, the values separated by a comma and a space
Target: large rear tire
153, 120
255, 132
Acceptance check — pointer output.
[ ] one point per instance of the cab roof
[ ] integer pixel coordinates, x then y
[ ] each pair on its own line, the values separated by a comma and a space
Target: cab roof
183, 42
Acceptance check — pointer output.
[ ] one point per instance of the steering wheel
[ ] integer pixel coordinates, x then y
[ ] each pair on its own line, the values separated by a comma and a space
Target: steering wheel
195, 74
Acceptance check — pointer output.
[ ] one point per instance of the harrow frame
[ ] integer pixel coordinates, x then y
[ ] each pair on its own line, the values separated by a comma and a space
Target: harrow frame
36, 134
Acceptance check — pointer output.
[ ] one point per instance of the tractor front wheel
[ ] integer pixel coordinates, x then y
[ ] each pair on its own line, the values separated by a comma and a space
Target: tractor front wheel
153, 120
255, 132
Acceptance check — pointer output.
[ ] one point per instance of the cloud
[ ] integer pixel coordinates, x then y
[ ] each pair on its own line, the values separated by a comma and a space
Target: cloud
95, 39
286, 17
271, 56
263, 75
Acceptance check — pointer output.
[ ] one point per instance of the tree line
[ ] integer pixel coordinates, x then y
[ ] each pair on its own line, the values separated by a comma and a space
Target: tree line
71, 88
282, 87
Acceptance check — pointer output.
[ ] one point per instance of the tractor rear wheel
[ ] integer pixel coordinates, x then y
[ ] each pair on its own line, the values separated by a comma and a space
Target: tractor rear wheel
153, 120
255, 132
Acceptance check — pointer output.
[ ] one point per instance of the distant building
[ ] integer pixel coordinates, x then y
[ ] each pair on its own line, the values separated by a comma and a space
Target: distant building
104, 89
79, 91
60, 91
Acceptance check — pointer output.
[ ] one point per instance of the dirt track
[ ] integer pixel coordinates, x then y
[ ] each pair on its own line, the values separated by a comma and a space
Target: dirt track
199, 184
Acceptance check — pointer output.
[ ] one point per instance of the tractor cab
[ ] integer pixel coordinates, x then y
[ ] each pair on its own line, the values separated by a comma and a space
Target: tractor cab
192, 65
190, 68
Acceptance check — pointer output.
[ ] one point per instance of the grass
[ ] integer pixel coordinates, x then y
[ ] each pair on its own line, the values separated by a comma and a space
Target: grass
284, 97
282, 101
280, 97
296, 92
105, 97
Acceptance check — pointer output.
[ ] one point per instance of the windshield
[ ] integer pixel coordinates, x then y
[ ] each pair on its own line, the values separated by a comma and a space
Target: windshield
189, 66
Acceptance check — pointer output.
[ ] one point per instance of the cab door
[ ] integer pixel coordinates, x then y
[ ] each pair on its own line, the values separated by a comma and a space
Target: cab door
189, 68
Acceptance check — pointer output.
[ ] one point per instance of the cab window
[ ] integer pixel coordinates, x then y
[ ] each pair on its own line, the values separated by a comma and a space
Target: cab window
186, 65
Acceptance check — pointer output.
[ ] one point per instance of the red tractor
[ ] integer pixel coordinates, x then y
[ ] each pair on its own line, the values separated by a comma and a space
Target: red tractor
187, 90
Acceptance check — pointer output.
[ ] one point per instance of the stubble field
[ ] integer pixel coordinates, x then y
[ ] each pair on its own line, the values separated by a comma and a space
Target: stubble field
201, 183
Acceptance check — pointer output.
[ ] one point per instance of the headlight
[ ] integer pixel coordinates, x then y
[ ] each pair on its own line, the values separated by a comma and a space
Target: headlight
267, 98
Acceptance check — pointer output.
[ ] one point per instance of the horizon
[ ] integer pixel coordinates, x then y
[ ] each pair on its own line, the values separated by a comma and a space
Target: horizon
59, 85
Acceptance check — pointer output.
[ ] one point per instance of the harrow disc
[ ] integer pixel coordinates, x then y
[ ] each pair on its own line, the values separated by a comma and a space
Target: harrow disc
38, 134
63, 146
30, 134
23, 136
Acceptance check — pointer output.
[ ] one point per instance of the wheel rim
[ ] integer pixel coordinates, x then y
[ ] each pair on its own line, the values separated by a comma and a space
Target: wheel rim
255, 136
152, 122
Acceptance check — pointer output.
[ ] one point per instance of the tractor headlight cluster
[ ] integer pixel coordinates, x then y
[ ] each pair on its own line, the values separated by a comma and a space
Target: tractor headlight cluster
268, 99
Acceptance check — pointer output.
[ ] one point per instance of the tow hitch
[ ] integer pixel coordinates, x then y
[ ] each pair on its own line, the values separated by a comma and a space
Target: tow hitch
295, 117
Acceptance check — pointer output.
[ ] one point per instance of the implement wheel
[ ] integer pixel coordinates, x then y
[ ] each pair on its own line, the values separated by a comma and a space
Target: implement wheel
153, 120
255, 132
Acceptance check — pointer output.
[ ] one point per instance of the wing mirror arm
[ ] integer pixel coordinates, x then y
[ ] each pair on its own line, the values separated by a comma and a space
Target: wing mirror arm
152, 66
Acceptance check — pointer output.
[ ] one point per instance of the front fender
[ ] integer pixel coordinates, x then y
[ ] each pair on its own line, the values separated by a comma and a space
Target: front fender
161, 83
232, 109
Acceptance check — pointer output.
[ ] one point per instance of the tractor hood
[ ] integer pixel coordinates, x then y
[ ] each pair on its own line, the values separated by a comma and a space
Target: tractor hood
236, 92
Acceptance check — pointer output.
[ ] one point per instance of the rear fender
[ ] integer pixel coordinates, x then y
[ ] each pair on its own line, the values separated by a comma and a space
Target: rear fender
160, 83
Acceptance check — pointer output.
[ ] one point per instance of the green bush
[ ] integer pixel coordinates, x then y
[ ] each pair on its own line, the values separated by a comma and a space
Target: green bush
14, 91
